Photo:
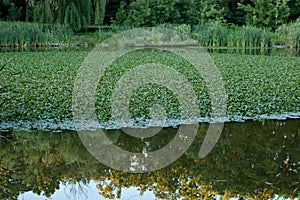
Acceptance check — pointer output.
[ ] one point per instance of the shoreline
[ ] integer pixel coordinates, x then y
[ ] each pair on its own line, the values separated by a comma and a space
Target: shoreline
68, 125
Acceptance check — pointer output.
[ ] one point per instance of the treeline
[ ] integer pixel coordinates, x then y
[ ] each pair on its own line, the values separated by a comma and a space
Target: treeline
77, 14
81, 14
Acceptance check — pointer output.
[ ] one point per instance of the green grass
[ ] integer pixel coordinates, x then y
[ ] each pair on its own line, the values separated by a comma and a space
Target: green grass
41, 85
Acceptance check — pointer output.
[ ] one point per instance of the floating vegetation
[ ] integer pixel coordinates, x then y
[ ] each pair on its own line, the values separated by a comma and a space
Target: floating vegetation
257, 86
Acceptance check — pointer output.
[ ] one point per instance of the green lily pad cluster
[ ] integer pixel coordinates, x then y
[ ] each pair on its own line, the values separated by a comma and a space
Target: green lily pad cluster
146, 96
41, 85
260, 86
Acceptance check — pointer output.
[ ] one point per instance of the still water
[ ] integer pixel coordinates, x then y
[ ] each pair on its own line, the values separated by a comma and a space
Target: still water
252, 160
228, 50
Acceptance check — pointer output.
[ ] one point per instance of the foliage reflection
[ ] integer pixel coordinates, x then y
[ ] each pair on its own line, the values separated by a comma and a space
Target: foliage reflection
251, 159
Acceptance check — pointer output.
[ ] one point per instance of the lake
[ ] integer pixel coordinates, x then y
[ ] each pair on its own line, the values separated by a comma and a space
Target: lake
253, 159
256, 157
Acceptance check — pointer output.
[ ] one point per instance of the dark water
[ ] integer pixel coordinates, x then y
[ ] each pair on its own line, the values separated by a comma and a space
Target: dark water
258, 160
256, 51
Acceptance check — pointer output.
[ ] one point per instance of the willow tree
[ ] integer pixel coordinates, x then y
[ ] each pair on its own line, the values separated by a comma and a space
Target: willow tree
78, 14
75, 13
28, 6
99, 11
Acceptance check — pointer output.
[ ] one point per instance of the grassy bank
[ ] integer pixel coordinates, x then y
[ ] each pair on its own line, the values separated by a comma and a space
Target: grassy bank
19, 34
41, 83
222, 35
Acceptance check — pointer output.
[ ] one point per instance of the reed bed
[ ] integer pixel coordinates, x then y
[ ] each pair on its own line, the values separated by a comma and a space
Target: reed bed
289, 35
210, 34
248, 36
215, 34
20, 34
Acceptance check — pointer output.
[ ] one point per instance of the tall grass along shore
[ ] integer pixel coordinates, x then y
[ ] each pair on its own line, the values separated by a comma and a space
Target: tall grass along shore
21, 34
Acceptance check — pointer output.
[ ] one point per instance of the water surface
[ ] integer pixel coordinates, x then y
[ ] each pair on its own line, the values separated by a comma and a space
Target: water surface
251, 159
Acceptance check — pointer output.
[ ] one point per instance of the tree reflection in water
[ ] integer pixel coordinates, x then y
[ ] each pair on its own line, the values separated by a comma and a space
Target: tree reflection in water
251, 159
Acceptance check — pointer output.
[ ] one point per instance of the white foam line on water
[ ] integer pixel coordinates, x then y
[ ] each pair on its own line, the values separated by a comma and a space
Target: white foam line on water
48, 125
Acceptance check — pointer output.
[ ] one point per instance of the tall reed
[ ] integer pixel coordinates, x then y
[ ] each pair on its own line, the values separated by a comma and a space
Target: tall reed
215, 34
289, 34
210, 34
248, 36
30, 34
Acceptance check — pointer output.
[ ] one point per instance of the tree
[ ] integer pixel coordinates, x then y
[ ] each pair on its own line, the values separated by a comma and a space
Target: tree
29, 4
210, 11
185, 12
138, 14
122, 13
232, 14
99, 11
154, 12
111, 10
77, 14
10, 10
266, 13
294, 6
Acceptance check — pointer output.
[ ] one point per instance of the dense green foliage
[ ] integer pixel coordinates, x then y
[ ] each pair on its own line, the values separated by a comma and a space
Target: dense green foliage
77, 14
266, 13
257, 86
253, 159
80, 14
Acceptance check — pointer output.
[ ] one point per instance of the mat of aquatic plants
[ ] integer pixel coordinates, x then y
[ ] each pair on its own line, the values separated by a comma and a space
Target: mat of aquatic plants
36, 87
